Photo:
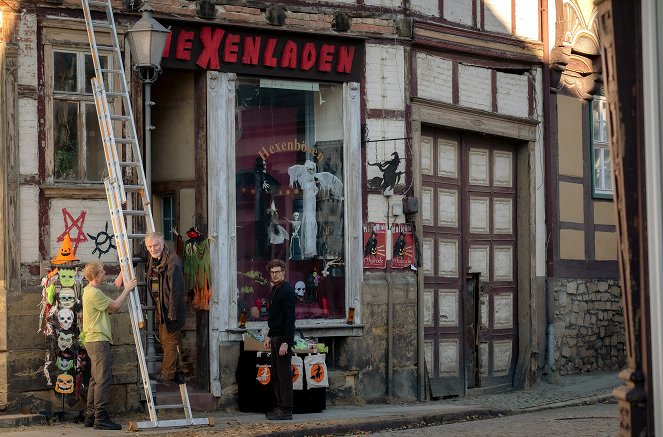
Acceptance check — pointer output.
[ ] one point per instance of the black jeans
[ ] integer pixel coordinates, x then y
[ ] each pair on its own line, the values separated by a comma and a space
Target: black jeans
98, 392
281, 375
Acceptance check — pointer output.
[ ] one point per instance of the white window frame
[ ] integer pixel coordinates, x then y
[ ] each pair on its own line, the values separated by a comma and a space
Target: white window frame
221, 95
85, 103
601, 149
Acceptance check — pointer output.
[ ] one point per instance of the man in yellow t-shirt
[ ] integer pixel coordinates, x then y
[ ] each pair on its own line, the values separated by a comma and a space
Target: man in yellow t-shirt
98, 339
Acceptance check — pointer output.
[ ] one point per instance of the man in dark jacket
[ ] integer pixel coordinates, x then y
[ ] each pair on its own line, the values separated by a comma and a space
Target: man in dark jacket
166, 275
281, 322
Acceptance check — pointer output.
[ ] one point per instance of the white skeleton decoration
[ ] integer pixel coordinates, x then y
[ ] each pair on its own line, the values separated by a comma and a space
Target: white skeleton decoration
67, 297
66, 318
295, 240
311, 183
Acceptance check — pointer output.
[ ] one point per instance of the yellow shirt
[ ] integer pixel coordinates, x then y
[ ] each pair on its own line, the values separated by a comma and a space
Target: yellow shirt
96, 320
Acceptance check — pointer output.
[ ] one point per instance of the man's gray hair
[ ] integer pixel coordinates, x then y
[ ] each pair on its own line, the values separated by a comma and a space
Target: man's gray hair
152, 235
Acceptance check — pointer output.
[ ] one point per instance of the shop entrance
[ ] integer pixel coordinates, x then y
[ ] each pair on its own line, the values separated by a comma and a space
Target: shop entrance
469, 250
176, 166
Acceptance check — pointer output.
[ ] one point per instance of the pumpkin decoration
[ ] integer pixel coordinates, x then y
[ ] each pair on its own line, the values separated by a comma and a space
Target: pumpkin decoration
64, 384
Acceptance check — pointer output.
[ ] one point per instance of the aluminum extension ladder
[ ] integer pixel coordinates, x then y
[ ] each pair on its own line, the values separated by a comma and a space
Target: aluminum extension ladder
118, 130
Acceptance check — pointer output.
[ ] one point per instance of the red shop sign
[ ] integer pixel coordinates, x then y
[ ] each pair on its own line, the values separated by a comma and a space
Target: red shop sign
258, 52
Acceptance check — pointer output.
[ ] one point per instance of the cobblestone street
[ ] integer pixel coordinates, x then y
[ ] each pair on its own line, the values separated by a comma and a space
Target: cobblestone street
579, 421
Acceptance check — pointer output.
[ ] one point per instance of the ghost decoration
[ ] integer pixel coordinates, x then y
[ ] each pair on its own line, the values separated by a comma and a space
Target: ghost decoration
64, 384
65, 318
65, 340
67, 298
67, 277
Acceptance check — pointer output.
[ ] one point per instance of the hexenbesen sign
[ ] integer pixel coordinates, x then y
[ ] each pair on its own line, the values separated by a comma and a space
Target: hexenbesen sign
263, 53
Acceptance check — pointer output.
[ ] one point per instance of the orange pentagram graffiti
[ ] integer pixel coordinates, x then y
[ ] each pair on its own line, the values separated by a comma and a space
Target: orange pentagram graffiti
295, 372
317, 372
264, 375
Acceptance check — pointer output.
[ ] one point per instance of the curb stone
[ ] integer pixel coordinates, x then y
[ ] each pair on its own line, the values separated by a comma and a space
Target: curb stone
13, 420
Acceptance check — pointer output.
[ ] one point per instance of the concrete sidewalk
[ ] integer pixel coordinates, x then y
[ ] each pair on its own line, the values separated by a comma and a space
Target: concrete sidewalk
339, 420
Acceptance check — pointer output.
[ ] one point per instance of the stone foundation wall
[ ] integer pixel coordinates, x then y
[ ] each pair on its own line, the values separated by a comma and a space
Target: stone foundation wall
589, 325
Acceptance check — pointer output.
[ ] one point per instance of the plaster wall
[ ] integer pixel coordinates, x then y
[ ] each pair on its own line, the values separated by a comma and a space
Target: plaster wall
426, 7
29, 225
434, 77
512, 94
385, 84
28, 138
474, 87
458, 11
94, 220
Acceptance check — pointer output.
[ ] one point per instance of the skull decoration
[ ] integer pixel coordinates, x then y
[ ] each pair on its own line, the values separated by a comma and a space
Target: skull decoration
67, 277
64, 364
67, 297
65, 340
64, 384
66, 318
300, 288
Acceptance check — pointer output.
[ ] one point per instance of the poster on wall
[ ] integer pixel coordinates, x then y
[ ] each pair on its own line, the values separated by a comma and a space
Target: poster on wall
375, 256
403, 254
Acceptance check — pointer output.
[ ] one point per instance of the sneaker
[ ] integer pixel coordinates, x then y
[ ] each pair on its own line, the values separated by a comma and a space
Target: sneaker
89, 420
104, 422
281, 415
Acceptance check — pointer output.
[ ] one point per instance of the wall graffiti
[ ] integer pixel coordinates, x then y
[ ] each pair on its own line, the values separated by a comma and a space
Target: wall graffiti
69, 224
103, 242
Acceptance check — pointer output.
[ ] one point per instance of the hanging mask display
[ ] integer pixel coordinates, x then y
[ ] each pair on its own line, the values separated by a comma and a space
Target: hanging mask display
300, 288
65, 340
64, 384
64, 364
65, 318
67, 277
67, 297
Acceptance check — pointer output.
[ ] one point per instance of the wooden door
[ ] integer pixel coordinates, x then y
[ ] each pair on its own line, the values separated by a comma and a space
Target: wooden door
468, 205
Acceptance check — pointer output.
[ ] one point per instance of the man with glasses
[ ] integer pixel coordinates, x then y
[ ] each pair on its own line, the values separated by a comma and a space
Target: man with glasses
281, 322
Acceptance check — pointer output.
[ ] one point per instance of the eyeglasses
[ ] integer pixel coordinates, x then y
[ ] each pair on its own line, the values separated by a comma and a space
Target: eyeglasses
275, 272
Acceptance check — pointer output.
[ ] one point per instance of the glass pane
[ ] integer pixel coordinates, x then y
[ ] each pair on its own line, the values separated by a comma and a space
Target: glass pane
65, 132
289, 176
89, 72
95, 161
64, 72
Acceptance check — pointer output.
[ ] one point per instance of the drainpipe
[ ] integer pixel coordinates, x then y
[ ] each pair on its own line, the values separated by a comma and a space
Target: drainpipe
390, 337
548, 176
550, 319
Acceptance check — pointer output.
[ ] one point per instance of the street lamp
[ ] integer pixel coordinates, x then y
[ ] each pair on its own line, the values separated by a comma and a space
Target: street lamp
147, 39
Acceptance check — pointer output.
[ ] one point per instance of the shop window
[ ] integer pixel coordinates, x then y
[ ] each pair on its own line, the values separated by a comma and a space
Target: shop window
290, 178
78, 154
602, 167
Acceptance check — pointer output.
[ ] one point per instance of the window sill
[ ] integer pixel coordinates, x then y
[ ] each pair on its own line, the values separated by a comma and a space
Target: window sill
308, 328
75, 191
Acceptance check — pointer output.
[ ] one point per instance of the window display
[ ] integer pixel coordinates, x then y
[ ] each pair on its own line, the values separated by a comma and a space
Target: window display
290, 194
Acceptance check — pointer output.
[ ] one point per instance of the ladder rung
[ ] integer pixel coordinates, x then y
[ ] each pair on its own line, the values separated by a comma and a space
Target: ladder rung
121, 140
168, 407
114, 94
129, 164
111, 70
134, 212
135, 236
120, 117
102, 24
108, 48
133, 187
97, 3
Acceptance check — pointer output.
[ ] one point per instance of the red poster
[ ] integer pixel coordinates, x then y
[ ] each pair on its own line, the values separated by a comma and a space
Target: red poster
375, 236
403, 254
